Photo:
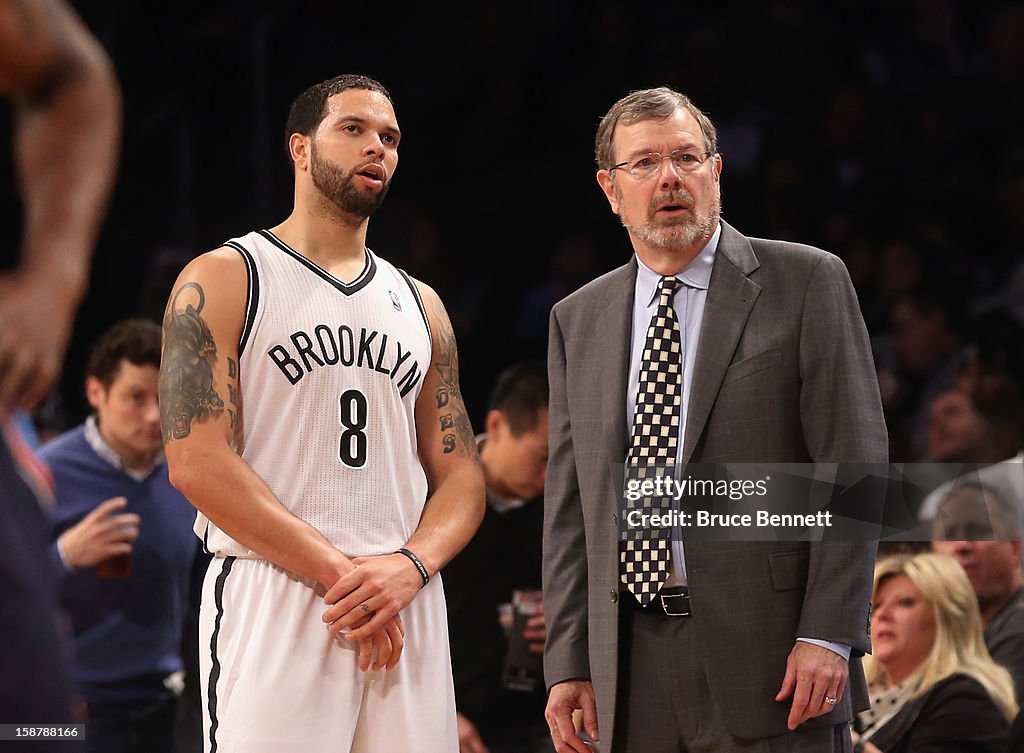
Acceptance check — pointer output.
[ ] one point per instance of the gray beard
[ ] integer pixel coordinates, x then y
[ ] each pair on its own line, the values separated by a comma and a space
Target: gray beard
338, 186
680, 236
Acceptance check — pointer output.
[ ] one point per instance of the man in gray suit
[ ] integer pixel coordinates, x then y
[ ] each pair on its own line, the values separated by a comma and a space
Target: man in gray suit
748, 646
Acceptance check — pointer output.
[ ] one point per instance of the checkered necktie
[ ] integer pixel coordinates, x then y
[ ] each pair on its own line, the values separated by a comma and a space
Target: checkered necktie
644, 557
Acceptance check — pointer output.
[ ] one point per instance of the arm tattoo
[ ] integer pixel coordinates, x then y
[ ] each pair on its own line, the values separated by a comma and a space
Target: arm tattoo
458, 436
186, 372
233, 393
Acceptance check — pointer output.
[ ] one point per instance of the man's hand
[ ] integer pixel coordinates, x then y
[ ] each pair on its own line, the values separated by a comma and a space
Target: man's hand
536, 630
812, 674
34, 328
564, 698
386, 644
379, 587
100, 534
469, 738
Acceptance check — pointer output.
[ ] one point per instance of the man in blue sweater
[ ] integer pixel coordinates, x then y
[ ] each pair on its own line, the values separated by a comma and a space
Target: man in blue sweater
123, 548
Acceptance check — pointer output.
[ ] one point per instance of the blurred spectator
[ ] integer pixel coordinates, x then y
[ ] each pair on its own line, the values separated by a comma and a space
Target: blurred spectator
504, 556
959, 433
785, 194
573, 263
1010, 298
1005, 479
981, 422
921, 361
124, 549
925, 334
900, 270
933, 685
992, 368
982, 532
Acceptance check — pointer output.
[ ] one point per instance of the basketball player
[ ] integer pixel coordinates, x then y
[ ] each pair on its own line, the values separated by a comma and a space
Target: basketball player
67, 119
312, 413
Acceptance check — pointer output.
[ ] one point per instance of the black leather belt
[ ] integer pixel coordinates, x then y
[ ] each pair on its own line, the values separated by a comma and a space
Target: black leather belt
673, 602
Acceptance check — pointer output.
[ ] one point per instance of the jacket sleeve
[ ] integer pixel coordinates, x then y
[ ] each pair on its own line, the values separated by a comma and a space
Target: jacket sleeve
565, 545
842, 421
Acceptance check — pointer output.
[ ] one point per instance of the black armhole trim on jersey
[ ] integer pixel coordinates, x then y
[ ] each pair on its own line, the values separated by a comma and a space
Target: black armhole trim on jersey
419, 300
206, 539
252, 295
218, 599
369, 269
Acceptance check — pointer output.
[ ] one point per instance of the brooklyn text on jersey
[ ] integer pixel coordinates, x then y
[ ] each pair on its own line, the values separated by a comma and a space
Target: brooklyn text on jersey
330, 346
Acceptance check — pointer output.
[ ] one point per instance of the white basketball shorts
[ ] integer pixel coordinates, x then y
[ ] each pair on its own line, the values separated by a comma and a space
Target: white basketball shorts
276, 681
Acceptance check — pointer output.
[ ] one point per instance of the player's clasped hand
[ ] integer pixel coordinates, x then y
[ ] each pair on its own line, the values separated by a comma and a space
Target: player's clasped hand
364, 599
384, 647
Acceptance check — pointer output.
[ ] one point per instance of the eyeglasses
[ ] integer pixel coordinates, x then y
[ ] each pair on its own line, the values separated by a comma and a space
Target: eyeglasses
647, 165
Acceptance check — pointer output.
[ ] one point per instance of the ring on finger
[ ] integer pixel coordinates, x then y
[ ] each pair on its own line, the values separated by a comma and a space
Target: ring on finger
366, 610
830, 700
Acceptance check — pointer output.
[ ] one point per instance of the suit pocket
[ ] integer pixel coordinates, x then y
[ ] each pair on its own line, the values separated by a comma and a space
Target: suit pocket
766, 359
789, 570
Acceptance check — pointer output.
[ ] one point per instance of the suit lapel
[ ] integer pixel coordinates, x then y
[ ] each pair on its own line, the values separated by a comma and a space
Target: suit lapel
731, 296
615, 321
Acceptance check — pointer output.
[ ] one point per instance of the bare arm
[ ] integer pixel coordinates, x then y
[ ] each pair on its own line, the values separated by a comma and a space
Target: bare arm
448, 451
199, 380
67, 133
387, 583
200, 407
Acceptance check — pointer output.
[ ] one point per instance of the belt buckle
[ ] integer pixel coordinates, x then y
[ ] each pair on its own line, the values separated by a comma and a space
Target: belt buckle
676, 605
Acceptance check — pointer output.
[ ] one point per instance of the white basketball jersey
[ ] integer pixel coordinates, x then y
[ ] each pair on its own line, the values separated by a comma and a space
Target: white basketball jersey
328, 378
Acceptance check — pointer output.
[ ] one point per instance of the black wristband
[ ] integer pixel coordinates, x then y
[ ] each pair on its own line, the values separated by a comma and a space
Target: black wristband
858, 747
419, 565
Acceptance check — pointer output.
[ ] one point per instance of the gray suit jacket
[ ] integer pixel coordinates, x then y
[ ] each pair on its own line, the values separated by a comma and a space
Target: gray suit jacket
783, 374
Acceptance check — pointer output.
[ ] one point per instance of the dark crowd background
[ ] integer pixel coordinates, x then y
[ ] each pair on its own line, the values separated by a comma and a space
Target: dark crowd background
890, 132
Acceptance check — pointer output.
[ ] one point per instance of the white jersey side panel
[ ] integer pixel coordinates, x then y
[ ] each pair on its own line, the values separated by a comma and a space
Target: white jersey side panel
328, 377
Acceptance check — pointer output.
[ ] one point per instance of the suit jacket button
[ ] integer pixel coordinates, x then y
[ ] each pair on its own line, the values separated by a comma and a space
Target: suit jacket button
615, 597
615, 518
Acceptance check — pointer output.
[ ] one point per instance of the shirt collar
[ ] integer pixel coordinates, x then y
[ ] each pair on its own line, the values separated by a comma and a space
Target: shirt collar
108, 453
696, 275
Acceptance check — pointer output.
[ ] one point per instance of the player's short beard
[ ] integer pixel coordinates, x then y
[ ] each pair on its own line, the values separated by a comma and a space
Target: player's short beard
339, 187
684, 232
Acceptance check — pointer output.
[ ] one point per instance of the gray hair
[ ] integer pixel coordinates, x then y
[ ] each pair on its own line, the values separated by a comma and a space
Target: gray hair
647, 104
1004, 512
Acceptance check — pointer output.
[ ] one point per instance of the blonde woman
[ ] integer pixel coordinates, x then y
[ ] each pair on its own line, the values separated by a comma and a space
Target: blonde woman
934, 686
